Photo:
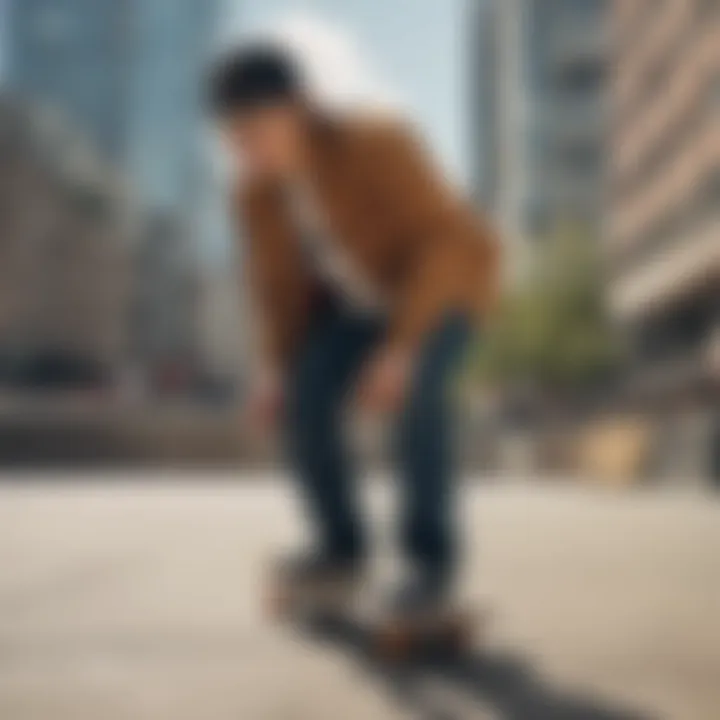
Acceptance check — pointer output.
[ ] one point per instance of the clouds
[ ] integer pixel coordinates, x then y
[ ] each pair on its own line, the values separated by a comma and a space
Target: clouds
340, 75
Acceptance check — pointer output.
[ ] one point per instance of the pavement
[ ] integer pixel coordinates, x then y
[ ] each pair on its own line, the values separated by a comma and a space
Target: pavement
139, 598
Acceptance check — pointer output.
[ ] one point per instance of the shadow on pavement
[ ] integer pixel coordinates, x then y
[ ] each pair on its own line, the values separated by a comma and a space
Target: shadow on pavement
497, 684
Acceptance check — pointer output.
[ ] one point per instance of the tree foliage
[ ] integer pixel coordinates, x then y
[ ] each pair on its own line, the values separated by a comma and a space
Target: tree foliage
552, 332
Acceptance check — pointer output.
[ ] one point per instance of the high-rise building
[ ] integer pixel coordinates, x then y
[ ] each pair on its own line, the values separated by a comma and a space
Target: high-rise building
171, 40
128, 74
74, 56
221, 326
540, 114
485, 94
165, 308
64, 254
663, 235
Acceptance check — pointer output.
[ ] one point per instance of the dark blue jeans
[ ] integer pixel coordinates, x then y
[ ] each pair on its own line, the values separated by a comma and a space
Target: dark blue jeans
321, 379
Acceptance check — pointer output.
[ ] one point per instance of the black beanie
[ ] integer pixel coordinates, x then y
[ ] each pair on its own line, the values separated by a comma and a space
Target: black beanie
252, 77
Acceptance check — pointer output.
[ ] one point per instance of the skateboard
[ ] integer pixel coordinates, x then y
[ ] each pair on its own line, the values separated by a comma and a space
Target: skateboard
342, 604
450, 631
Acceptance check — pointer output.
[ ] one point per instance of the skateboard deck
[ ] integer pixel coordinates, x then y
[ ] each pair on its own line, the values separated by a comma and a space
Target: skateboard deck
451, 631
393, 637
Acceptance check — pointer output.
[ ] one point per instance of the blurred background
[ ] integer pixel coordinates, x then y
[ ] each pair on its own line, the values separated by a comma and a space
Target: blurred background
588, 129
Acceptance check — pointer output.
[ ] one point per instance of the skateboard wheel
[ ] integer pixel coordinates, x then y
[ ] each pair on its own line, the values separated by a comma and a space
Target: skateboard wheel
394, 644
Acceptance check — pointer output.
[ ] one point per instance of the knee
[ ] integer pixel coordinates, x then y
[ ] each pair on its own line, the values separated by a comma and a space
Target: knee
308, 404
428, 403
422, 413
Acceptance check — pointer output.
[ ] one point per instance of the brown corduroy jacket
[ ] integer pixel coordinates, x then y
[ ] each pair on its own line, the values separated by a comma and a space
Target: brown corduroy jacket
397, 219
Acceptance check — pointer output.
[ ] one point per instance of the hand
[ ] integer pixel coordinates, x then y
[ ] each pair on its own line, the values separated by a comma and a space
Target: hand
264, 402
384, 382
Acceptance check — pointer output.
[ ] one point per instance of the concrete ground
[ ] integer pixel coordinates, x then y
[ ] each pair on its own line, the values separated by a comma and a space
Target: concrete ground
137, 600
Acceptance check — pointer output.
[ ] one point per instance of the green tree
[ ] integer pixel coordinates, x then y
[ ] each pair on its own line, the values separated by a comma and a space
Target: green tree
552, 333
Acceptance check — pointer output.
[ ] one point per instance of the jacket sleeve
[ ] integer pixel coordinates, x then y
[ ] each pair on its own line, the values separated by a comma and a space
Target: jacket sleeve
267, 327
451, 255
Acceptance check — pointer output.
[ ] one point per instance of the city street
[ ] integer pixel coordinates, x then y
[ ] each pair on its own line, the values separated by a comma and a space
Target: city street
139, 598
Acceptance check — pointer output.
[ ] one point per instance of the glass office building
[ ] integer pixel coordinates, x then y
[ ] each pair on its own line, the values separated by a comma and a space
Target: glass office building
127, 73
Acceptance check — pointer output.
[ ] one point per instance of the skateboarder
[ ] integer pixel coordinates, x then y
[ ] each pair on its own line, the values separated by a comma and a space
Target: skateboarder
369, 275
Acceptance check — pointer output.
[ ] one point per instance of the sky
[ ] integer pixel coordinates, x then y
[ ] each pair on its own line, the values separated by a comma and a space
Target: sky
415, 47
3, 11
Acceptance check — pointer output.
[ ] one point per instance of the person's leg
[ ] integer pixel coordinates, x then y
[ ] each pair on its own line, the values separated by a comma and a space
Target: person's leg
319, 381
425, 437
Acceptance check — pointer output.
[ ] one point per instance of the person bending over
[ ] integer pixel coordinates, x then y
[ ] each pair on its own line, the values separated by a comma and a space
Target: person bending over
369, 274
